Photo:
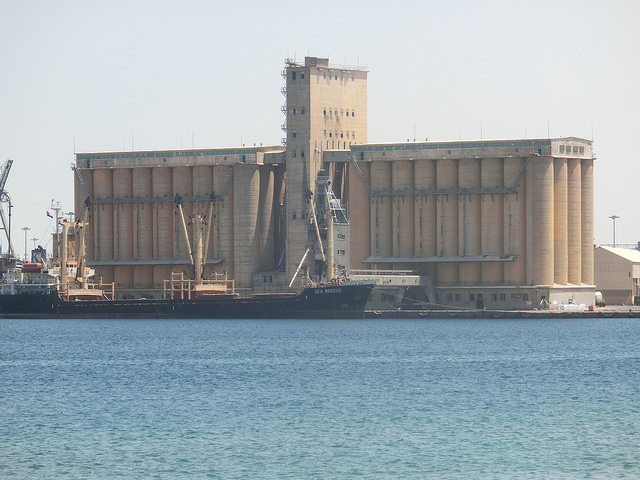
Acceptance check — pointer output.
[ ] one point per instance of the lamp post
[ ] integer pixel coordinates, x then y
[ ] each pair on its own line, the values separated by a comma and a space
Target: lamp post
613, 217
26, 229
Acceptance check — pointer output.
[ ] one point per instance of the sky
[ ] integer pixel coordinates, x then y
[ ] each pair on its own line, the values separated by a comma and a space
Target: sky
80, 76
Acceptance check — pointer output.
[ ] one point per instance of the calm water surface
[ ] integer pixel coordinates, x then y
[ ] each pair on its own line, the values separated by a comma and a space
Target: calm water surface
363, 399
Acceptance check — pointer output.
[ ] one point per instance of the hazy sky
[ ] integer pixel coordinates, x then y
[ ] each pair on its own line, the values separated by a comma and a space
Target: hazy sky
90, 76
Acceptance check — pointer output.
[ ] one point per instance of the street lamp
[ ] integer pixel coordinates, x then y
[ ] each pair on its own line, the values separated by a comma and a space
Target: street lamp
613, 217
26, 229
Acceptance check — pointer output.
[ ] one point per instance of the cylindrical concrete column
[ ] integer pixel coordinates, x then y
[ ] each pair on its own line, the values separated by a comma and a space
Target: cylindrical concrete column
123, 215
425, 242
542, 218
469, 219
447, 219
402, 209
560, 221
143, 214
574, 222
202, 188
223, 223
587, 221
266, 242
491, 214
183, 186
514, 222
360, 216
381, 220
246, 223
103, 185
123, 226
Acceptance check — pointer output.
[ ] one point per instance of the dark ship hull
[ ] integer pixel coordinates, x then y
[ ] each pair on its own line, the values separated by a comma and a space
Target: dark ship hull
344, 301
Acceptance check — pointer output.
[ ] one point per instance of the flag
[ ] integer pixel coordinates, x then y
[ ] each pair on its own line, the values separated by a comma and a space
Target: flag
49, 215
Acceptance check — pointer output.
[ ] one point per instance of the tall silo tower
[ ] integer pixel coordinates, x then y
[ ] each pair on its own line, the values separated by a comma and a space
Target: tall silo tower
326, 109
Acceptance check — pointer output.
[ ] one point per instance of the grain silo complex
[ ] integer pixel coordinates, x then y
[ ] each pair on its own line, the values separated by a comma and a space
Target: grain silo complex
492, 223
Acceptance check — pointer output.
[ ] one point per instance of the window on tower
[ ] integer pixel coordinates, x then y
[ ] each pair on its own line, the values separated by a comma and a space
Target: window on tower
293, 75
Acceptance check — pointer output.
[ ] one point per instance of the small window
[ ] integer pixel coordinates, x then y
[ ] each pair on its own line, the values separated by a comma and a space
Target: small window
302, 153
294, 216
503, 297
336, 77
353, 113
324, 111
561, 148
341, 135
347, 113
301, 75
457, 297
575, 149
494, 297
525, 297
472, 297
293, 75
341, 252
330, 134
341, 236
294, 133
582, 150
301, 110
449, 297
294, 111
293, 154
325, 134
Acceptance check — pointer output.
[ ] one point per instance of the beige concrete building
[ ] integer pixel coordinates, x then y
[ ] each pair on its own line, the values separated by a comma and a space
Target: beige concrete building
501, 224
617, 275
326, 109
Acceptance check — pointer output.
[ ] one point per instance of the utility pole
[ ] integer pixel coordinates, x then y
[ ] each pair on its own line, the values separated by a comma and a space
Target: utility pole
613, 217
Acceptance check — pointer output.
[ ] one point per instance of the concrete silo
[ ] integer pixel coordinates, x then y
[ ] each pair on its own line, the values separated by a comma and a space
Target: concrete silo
163, 218
381, 221
541, 199
560, 220
514, 222
103, 223
223, 222
491, 219
123, 226
587, 221
402, 210
469, 236
143, 226
447, 219
246, 179
574, 221
266, 241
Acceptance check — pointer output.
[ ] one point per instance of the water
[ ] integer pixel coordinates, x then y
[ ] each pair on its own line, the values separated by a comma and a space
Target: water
441, 399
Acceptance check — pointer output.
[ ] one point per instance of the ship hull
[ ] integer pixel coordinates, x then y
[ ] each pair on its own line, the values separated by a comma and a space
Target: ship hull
346, 301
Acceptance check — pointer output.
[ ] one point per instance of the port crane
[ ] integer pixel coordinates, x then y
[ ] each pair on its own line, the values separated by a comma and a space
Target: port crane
5, 198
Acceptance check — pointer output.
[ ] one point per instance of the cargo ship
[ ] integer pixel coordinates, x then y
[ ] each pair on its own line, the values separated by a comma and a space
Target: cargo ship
32, 291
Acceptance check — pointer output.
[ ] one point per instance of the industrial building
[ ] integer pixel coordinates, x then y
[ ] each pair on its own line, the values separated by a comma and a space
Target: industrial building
617, 274
491, 223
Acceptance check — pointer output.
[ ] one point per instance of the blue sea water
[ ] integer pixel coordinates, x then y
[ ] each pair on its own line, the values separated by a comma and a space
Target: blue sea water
337, 399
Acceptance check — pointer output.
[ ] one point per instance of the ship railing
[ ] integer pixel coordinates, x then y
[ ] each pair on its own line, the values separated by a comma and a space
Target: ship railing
182, 287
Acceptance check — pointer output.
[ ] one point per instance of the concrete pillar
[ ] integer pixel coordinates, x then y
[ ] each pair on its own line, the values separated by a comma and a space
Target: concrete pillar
492, 231
542, 218
560, 220
447, 219
469, 220
574, 222
514, 222
587, 221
